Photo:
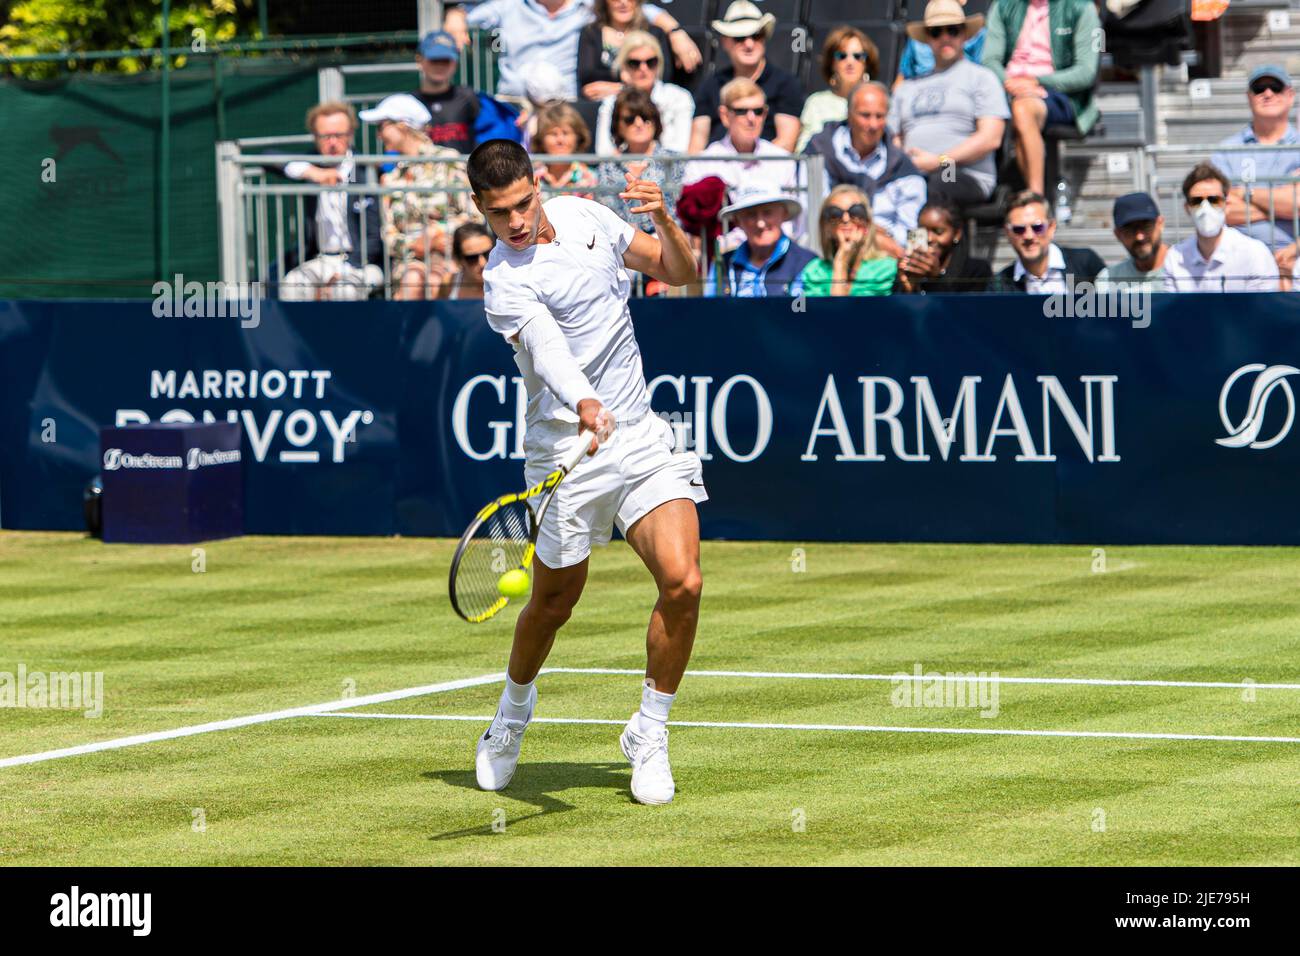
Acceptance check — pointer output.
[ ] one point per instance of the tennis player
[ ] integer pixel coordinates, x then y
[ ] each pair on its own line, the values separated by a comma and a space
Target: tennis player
556, 287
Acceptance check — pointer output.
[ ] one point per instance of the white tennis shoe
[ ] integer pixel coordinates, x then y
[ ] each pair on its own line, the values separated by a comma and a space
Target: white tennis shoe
652, 777
498, 749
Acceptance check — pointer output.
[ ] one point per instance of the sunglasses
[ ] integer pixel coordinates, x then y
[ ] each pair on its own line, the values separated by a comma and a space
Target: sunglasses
756, 37
954, 30
1215, 201
333, 135
755, 111
474, 256
837, 213
1267, 83
634, 64
841, 56
1039, 228
628, 119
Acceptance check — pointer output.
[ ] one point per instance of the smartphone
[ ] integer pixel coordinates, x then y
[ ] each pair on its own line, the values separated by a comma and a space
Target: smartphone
918, 238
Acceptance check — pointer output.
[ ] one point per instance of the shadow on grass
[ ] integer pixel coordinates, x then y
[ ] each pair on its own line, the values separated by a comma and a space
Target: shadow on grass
538, 784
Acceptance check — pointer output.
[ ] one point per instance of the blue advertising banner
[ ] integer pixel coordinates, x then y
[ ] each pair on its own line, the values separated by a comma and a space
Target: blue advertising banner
926, 418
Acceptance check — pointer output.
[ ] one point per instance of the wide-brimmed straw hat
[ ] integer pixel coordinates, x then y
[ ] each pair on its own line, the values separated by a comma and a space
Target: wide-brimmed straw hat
944, 13
743, 19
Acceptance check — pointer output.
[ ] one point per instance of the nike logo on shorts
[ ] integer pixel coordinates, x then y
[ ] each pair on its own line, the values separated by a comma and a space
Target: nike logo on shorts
592, 244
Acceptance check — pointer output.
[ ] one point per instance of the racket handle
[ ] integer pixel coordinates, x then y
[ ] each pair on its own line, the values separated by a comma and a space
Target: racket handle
579, 451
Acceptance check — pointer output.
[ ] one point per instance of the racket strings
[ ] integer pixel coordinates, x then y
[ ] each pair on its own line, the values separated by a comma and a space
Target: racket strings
497, 546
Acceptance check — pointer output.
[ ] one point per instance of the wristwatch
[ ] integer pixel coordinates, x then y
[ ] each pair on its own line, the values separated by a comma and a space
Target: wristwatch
944, 159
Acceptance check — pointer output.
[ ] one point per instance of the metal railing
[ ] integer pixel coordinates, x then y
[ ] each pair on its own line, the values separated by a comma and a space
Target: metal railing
264, 225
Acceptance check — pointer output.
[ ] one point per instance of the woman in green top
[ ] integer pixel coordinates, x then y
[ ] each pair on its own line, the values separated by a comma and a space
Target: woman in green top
849, 247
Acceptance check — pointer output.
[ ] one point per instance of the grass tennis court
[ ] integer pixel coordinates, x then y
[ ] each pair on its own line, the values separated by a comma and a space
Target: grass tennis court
276, 624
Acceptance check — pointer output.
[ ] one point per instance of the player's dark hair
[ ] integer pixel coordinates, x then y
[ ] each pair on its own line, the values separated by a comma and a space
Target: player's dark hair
496, 164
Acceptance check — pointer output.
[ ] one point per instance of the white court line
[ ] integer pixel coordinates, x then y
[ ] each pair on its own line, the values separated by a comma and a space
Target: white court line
313, 710
308, 711
962, 678
859, 728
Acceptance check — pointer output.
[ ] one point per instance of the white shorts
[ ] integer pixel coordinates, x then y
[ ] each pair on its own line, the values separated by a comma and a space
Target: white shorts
627, 478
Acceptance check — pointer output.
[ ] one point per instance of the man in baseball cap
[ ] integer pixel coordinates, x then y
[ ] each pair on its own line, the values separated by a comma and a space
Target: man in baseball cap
453, 110
1271, 97
1138, 227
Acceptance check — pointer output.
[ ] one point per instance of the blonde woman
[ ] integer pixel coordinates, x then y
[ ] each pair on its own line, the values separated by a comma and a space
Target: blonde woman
640, 64
852, 263
416, 225
561, 132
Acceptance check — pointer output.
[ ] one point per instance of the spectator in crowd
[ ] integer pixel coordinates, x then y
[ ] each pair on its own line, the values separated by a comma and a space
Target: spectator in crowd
418, 225
852, 261
857, 153
600, 41
918, 59
1271, 97
1045, 52
343, 244
1216, 259
744, 32
561, 132
640, 62
637, 129
454, 109
471, 244
768, 262
942, 263
1138, 227
848, 58
1041, 266
743, 109
950, 123
543, 87
546, 31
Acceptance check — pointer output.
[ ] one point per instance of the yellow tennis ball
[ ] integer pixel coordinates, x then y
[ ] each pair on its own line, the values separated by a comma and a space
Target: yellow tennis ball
513, 583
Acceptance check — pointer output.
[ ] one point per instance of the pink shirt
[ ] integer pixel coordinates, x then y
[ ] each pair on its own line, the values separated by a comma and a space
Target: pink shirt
1033, 53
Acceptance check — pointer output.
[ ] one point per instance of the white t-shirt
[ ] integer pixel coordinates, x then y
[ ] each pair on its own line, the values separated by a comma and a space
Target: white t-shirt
580, 280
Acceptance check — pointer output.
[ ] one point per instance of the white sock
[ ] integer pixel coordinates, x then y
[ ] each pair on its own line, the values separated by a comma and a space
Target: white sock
652, 718
515, 699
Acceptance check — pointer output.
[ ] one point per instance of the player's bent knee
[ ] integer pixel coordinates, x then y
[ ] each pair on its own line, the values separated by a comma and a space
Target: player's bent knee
683, 589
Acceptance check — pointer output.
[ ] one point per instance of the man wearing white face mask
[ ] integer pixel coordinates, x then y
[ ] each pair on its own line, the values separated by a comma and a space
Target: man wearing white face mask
1215, 259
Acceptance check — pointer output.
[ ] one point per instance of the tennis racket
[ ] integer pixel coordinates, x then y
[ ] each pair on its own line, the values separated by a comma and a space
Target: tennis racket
503, 537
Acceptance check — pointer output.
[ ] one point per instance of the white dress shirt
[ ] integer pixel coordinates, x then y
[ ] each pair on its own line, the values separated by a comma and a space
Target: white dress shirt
1238, 264
1053, 281
781, 177
331, 208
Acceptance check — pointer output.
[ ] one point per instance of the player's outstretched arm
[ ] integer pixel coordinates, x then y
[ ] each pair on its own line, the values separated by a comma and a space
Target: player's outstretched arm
559, 371
667, 255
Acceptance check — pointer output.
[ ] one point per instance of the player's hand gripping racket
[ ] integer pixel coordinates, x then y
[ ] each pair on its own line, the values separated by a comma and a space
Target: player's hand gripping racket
491, 562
